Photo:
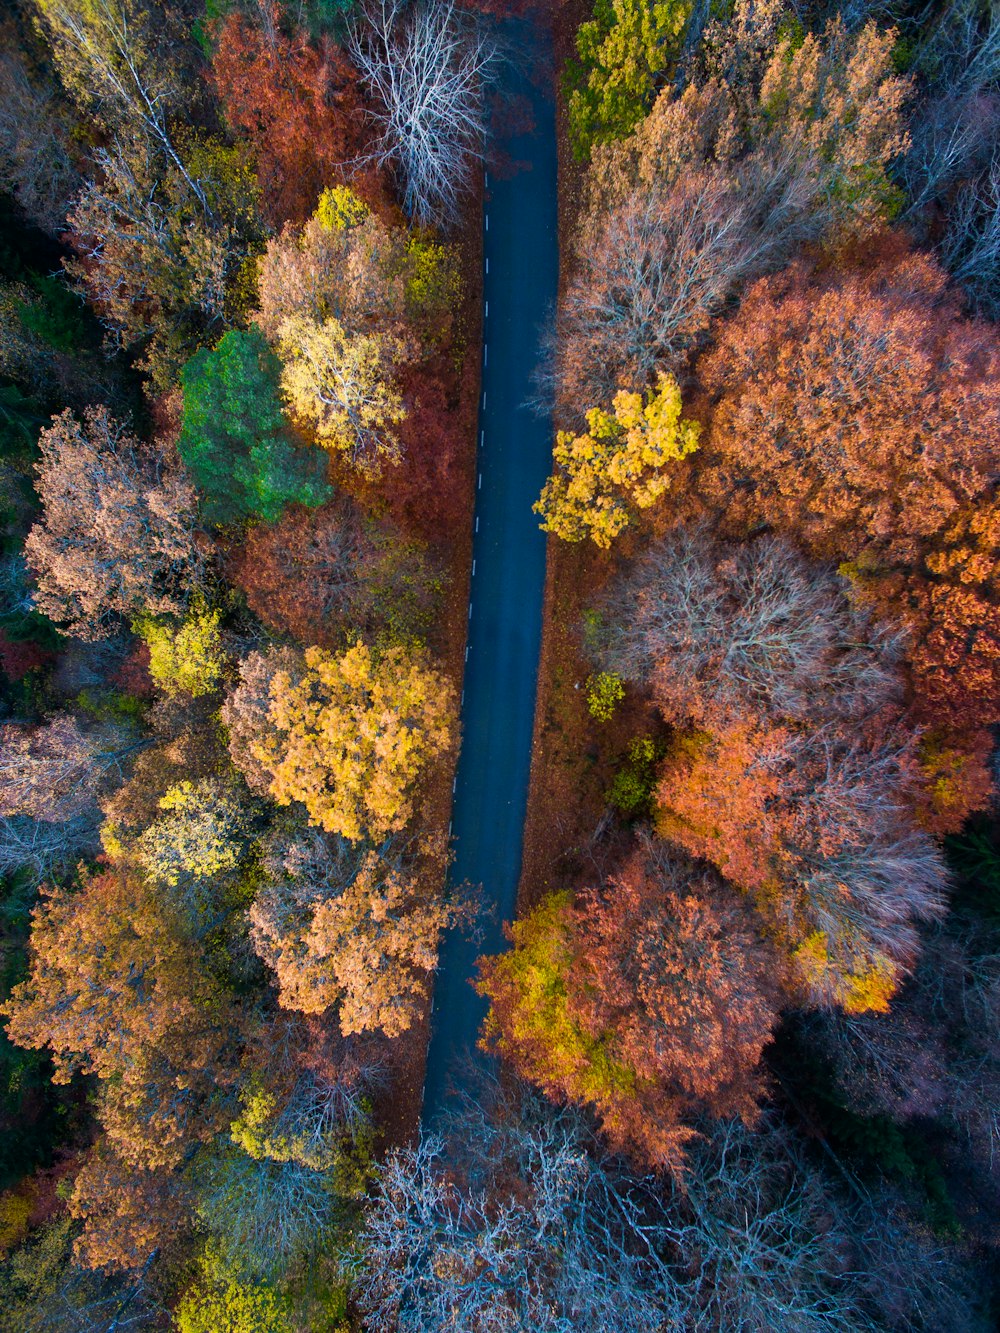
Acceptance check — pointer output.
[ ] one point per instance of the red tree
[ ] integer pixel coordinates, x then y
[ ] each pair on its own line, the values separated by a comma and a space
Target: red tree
297, 104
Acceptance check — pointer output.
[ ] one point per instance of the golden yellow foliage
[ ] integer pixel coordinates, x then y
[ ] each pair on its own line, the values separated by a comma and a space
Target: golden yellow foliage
353, 735
617, 466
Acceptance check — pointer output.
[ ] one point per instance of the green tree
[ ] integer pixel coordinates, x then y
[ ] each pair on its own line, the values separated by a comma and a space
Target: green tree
234, 439
622, 49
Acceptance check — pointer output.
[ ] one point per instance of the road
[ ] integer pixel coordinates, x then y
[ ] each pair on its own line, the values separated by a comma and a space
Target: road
508, 574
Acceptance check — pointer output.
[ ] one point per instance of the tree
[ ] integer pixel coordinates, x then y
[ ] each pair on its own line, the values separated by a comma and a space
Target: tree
120, 60
287, 1184
818, 825
116, 536
427, 65
341, 925
513, 1221
652, 1001
723, 631
348, 736
128, 1213
202, 835
344, 264
318, 574
36, 165
532, 1023
53, 777
670, 972
161, 250
617, 466
220, 1298
188, 659
623, 51
297, 103
234, 439
339, 385
779, 145
116, 988
862, 414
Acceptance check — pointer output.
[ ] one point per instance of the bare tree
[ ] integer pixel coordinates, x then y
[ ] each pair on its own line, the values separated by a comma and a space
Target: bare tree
35, 161
510, 1224
719, 629
427, 64
970, 247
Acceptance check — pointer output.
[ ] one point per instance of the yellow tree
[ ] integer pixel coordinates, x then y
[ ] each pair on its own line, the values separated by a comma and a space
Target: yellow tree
617, 466
347, 735
339, 384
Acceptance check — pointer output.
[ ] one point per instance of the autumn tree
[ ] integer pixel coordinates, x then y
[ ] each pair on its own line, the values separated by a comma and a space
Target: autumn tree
339, 385
234, 439
721, 631
185, 658
427, 65
652, 1001
36, 160
295, 101
794, 767
359, 929
127, 1212
116, 535
343, 264
670, 972
859, 411
288, 1181
53, 777
777, 144
623, 52
617, 466
348, 736
115, 987
317, 574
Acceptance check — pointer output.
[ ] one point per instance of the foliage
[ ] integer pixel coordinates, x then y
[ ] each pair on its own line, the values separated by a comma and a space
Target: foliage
634, 782
862, 412
359, 929
222, 1300
602, 477
116, 987
623, 51
116, 533
605, 691
188, 659
234, 439
777, 145
295, 101
339, 385
327, 573
347, 735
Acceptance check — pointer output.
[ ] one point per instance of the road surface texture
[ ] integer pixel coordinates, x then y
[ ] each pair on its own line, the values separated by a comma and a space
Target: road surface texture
505, 608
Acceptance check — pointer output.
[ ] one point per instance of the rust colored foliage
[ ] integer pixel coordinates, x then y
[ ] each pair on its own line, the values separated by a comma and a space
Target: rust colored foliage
305, 574
116, 988
126, 1213
858, 412
651, 1002
670, 971
298, 105
428, 493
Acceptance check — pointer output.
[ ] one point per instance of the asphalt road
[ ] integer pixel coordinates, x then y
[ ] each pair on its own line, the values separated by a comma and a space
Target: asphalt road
505, 610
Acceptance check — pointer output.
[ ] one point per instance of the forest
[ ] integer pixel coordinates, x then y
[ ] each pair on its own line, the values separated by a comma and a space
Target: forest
740, 1066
